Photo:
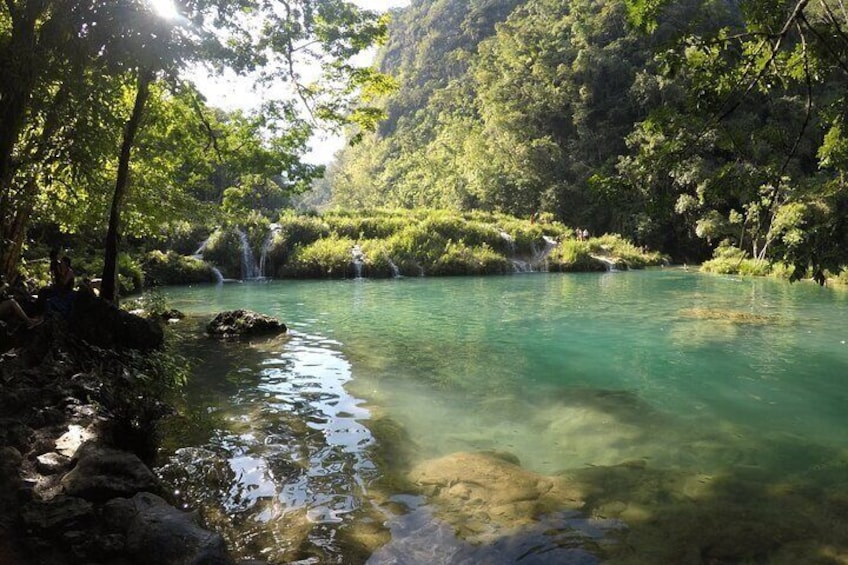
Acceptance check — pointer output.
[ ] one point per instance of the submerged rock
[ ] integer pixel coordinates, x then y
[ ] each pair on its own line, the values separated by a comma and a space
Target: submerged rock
159, 533
473, 490
243, 323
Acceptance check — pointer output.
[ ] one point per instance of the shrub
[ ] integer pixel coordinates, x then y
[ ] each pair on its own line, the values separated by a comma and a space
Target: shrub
224, 251
461, 259
572, 255
729, 260
330, 257
623, 252
130, 274
299, 231
171, 268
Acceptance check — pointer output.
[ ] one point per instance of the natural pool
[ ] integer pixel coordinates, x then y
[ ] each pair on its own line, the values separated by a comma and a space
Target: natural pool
658, 417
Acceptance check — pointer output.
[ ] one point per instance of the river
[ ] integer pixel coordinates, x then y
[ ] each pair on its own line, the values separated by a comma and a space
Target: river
660, 416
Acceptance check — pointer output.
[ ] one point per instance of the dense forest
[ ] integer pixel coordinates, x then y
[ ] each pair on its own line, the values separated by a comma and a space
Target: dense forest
104, 142
695, 128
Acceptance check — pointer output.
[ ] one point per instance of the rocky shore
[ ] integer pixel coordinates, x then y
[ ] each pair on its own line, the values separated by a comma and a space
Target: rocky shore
79, 399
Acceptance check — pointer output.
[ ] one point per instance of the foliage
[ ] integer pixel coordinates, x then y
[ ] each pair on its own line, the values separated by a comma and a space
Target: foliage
678, 124
329, 257
96, 120
461, 259
432, 242
223, 249
625, 252
169, 268
734, 261
574, 256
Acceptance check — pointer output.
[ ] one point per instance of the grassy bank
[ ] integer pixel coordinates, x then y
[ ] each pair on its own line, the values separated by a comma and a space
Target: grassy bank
728, 260
387, 243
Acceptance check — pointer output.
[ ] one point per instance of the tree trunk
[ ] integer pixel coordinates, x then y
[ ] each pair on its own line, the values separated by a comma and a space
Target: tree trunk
18, 70
108, 288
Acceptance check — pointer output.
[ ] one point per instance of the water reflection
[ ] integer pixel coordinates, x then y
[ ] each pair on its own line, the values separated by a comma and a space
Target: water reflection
706, 413
286, 455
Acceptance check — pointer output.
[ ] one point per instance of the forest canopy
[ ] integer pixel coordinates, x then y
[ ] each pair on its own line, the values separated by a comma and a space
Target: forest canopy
100, 131
691, 127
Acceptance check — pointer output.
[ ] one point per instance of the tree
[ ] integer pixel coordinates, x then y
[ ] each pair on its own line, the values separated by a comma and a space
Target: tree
112, 44
768, 92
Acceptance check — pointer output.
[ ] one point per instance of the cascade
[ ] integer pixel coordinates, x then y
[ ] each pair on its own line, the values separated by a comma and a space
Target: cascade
266, 245
219, 277
199, 253
550, 245
249, 269
510, 241
393, 267
520, 266
358, 260
609, 264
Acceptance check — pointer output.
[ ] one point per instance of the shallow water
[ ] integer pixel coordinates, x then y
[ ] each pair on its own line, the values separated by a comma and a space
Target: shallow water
696, 417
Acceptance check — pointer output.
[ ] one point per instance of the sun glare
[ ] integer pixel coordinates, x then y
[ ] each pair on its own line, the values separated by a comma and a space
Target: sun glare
165, 8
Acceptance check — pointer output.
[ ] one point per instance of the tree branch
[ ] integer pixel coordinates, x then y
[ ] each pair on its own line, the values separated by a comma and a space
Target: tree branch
842, 64
832, 17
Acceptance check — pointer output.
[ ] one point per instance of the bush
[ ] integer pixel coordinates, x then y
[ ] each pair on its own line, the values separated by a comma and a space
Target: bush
461, 259
171, 268
625, 253
573, 256
729, 260
224, 251
330, 257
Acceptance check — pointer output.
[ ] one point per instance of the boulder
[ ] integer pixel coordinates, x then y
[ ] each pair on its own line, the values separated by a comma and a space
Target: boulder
51, 463
103, 324
491, 489
102, 473
159, 533
61, 513
243, 323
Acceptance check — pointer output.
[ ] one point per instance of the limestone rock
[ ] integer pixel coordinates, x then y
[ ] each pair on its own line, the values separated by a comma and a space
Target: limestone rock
102, 473
60, 513
159, 533
243, 323
69, 442
51, 463
489, 488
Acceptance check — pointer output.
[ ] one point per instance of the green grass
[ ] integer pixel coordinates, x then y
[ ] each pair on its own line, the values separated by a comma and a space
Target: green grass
417, 242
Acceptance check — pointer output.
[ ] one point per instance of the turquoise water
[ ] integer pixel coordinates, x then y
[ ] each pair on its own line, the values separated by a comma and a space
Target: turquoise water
682, 409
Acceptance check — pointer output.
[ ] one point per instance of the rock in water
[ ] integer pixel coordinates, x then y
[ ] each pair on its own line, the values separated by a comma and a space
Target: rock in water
243, 323
102, 473
159, 533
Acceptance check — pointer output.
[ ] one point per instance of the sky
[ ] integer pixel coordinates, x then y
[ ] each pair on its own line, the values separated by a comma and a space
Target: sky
231, 93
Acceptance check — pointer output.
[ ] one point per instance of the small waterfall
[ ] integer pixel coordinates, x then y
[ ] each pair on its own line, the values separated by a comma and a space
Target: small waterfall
608, 263
539, 259
520, 266
358, 260
394, 268
199, 253
249, 269
266, 245
510, 241
219, 277
550, 245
